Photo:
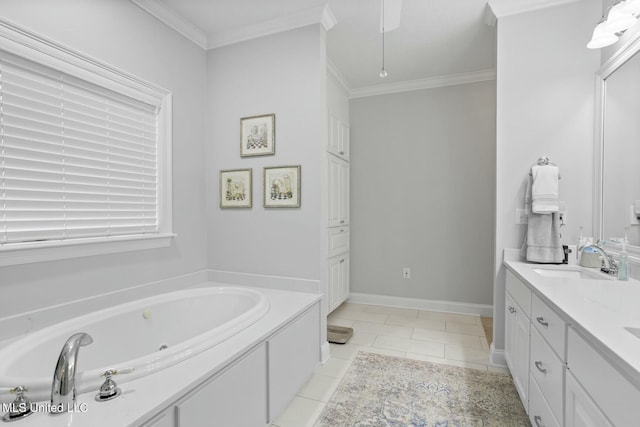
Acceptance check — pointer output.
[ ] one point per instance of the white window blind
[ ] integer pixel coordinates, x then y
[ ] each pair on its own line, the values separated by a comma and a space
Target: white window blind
77, 160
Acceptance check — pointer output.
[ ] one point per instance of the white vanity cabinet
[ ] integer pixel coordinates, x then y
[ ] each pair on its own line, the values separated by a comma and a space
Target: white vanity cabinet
337, 256
598, 391
516, 352
534, 351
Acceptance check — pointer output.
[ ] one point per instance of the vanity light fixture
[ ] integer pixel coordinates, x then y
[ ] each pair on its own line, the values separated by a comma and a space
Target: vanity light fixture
618, 19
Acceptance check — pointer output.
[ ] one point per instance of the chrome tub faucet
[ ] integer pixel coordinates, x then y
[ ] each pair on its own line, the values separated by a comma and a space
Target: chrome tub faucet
63, 388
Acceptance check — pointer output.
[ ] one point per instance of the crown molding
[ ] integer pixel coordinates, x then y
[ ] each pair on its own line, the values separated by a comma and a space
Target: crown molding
428, 83
174, 20
502, 8
317, 15
320, 14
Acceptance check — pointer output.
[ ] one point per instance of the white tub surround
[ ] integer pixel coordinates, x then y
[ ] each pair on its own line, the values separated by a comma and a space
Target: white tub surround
247, 364
572, 359
146, 335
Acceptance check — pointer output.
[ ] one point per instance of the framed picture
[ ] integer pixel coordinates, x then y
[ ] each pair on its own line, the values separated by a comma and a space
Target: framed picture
258, 135
282, 187
236, 188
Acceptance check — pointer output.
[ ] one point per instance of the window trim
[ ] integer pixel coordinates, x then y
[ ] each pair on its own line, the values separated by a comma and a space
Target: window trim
34, 47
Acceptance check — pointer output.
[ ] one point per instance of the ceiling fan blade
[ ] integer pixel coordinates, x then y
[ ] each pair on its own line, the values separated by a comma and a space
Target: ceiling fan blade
391, 14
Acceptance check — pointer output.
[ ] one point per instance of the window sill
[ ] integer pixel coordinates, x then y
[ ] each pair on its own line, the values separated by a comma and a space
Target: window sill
51, 251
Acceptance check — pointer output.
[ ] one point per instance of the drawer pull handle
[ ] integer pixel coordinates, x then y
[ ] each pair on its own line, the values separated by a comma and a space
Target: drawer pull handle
342, 221
542, 321
342, 230
538, 420
511, 309
539, 366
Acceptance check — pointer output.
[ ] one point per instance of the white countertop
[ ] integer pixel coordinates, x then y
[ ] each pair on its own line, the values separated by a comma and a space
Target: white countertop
144, 397
599, 309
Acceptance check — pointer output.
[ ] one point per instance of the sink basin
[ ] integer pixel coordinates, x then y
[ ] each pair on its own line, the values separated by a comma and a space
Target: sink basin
569, 273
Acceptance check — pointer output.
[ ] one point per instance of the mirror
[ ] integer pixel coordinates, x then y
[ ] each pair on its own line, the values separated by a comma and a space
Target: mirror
620, 147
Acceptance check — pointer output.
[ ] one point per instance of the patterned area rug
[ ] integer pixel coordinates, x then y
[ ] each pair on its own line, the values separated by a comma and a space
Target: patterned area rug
386, 391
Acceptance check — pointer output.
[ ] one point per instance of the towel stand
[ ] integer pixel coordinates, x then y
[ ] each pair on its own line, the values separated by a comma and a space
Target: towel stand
543, 161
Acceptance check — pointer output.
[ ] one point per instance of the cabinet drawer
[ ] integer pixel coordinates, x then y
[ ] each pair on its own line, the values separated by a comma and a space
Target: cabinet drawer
539, 413
615, 396
549, 324
520, 293
338, 241
548, 372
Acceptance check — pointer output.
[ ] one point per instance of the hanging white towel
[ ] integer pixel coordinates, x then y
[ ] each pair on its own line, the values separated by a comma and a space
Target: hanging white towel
542, 239
544, 189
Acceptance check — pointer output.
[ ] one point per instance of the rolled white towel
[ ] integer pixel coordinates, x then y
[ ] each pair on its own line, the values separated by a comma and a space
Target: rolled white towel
544, 189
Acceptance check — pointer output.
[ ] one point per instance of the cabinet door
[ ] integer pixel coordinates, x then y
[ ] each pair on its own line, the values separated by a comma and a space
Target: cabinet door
338, 188
343, 149
223, 401
581, 411
333, 285
344, 278
344, 195
517, 347
333, 144
338, 284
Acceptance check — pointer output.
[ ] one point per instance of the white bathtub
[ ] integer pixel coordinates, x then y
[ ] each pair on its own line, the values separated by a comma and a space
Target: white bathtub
131, 336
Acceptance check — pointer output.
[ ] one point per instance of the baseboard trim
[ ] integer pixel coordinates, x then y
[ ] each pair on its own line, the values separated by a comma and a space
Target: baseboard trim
265, 281
496, 357
422, 304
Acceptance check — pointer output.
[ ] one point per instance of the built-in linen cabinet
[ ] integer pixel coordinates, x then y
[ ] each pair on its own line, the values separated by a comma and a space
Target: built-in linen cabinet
337, 164
338, 137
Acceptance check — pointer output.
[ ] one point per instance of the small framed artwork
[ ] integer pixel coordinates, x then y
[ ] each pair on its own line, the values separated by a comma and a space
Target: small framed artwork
258, 135
236, 188
282, 187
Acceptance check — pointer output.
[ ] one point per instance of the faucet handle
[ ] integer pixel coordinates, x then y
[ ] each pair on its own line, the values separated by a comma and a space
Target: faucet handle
109, 389
20, 407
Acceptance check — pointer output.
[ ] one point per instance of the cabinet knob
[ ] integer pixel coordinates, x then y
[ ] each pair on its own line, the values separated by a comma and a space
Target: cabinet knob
511, 309
542, 321
539, 366
342, 230
342, 221
342, 152
538, 420
341, 261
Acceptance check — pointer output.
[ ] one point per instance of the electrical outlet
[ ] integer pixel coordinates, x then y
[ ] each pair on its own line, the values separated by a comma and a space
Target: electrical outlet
406, 273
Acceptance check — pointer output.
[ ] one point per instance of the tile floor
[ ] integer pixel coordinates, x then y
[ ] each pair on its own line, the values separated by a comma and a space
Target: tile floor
452, 339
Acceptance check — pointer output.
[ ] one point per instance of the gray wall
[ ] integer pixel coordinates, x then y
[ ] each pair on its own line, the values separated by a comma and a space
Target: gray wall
422, 193
121, 34
282, 74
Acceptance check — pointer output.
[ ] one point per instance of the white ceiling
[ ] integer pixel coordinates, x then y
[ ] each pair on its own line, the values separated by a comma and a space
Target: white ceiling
436, 38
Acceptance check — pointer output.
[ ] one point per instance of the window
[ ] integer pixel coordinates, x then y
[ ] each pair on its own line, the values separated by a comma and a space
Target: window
83, 158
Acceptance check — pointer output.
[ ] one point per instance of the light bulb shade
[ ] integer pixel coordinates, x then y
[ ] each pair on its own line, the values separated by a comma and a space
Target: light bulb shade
618, 19
383, 73
602, 37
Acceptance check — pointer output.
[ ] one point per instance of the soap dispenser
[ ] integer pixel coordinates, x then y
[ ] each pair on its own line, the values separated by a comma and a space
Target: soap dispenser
623, 259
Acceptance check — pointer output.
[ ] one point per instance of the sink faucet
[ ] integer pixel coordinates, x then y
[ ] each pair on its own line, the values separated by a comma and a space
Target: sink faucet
63, 388
607, 264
